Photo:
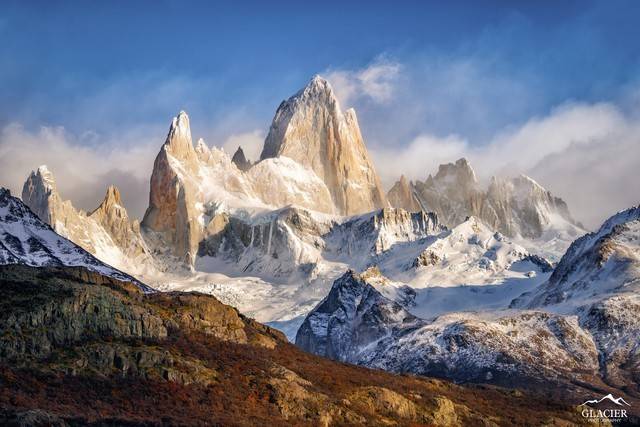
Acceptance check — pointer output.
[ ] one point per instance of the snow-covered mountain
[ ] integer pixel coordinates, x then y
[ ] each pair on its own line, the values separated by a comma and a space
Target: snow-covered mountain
580, 324
516, 207
597, 265
27, 240
271, 237
356, 323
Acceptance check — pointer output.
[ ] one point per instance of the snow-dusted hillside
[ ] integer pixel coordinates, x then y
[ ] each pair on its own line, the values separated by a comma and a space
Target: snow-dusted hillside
599, 264
25, 239
580, 324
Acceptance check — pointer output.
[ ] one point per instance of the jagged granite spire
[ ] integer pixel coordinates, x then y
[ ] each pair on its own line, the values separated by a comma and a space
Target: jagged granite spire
401, 195
240, 160
311, 129
172, 200
39, 193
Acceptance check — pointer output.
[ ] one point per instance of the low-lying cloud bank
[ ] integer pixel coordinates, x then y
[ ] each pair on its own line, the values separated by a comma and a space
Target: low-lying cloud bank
85, 165
588, 154
83, 168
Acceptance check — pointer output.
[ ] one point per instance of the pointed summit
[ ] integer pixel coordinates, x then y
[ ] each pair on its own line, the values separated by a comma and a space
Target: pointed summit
311, 129
113, 195
113, 217
39, 192
178, 142
318, 88
240, 160
401, 196
172, 206
112, 200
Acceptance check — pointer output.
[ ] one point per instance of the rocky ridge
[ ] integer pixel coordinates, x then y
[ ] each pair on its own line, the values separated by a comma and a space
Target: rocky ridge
107, 232
577, 329
514, 207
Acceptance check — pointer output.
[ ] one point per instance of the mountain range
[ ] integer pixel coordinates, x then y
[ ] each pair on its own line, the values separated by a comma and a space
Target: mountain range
441, 278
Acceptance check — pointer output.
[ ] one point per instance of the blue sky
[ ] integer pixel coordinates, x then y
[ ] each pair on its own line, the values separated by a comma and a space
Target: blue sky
112, 74
212, 58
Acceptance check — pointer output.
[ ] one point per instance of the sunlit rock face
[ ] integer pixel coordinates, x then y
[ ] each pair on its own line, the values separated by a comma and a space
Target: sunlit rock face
401, 196
107, 232
311, 129
172, 196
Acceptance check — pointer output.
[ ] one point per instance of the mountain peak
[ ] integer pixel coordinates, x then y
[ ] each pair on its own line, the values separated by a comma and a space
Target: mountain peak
240, 160
113, 196
39, 192
311, 129
178, 142
320, 83
44, 177
318, 90
458, 173
401, 195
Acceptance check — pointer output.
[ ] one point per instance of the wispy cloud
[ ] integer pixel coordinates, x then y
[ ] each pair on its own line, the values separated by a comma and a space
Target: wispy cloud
588, 154
251, 143
82, 170
375, 82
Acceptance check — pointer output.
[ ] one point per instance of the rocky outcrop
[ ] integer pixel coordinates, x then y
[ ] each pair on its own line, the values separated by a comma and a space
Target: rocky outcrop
101, 343
311, 129
401, 196
173, 192
72, 309
514, 207
240, 160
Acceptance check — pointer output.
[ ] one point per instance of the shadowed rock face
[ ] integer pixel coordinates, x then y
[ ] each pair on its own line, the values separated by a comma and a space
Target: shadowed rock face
355, 323
240, 160
97, 342
311, 129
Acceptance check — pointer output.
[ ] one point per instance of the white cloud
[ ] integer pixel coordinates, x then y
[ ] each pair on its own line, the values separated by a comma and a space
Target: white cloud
418, 159
374, 82
82, 171
588, 154
251, 143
